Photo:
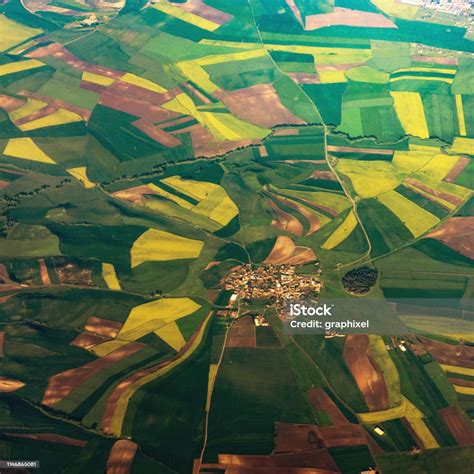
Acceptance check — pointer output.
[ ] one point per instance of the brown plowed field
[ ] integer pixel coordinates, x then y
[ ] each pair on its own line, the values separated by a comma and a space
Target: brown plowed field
316, 458
286, 221
457, 233
295, 437
367, 374
50, 438
439, 194
348, 17
321, 401
121, 457
63, 384
435, 60
44, 272
259, 104
242, 333
460, 355
457, 169
103, 327
87, 340
459, 426
285, 251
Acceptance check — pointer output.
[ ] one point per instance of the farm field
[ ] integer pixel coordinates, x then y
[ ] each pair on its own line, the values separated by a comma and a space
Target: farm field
172, 172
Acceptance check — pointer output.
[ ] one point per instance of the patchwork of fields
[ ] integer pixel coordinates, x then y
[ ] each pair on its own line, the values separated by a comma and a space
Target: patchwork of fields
149, 148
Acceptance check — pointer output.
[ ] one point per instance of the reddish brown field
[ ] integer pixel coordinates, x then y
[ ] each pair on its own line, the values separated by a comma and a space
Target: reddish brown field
65, 55
3, 183
433, 192
367, 374
319, 459
134, 194
10, 385
459, 426
286, 132
2, 343
457, 233
155, 133
50, 438
435, 60
205, 11
294, 437
461, 382
121, 457
205, 146
311, 217
322, 402
44, 112
44, 272
304, 77
87, 340
63, 384
349, 149
286, 221
135, 106
291, 4
323, 175
10, 103
258, 104
197, 93
339, 67
460, 355
262, 151
242, 333
103, 327
231, 469
285, 251
43, 51
348, 17
457, 169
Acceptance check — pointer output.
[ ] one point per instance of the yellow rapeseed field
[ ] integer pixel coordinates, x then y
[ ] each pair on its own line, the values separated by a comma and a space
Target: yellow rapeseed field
171, 335
214, 202
409, 108
130, 78
210, 384
460, 114
151, 316
185, 16
110, 277
26, 149
13, 33
11, 68
463, 145
31, 105
97, 78
60, 117
397, 9
457, 370
417, 219
464, 390
342, 232
80, 173
158, 245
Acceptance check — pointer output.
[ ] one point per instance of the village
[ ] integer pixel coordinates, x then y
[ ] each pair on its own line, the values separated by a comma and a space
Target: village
275, 283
